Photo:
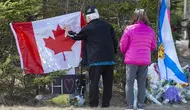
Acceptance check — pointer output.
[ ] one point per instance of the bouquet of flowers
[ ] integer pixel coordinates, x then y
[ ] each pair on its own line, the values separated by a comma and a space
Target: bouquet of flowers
73, 100
154, 82
78, 100
186, 70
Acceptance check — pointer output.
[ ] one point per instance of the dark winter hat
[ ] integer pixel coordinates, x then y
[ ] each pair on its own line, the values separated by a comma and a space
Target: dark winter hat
90, 10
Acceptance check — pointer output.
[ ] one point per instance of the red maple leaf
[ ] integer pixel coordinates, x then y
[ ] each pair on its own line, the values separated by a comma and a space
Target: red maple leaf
61, 43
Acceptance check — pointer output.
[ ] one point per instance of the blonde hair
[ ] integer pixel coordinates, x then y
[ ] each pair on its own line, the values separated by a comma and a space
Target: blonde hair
140, 16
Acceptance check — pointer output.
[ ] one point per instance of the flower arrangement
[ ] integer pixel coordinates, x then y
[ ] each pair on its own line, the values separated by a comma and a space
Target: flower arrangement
77, 101
73, 101
162, 91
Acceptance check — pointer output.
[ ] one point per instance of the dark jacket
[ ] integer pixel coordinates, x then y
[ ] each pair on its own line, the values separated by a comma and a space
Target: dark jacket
100, 43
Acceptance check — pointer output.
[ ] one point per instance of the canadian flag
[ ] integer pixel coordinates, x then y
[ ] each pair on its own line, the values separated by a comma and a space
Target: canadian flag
43, 46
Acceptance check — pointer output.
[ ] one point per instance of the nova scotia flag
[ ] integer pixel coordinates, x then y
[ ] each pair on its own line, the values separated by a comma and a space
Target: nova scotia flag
168, 63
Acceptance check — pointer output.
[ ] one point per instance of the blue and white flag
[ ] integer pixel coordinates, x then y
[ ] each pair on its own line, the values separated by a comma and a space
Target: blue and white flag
168, 63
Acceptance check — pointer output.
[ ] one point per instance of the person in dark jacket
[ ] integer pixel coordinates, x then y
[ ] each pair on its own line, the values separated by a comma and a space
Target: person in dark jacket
100, 46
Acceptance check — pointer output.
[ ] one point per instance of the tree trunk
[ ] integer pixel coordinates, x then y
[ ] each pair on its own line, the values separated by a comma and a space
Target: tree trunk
158, 13
64, 6
12, 85
12, 63
44, 8
67, 6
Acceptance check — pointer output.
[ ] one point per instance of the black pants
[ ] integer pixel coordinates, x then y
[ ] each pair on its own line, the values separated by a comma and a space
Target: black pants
107, 76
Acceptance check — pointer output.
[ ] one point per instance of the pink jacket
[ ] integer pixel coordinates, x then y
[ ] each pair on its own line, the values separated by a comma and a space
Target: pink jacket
136, 44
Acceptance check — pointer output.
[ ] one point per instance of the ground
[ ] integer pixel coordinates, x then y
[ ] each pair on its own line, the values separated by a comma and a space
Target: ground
149, 107
183, 52
117, 101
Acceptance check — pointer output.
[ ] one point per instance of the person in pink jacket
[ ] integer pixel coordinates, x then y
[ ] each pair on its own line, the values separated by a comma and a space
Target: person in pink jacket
136, 44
